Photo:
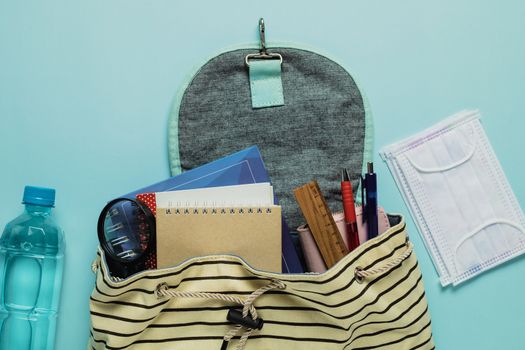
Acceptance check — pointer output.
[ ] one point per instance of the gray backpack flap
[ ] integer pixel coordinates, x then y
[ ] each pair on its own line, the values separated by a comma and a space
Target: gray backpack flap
318, 123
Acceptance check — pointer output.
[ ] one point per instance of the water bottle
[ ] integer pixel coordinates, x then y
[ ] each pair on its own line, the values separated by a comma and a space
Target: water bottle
31, 266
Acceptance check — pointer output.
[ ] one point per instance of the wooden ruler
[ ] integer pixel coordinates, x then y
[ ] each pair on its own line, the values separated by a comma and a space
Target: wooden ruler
321, 223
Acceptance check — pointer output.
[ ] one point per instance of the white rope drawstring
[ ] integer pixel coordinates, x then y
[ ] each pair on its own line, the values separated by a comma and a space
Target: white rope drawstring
247, 304
361, 274
95, 264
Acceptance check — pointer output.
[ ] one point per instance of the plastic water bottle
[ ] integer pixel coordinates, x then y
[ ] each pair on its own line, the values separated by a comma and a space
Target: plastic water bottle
31, 265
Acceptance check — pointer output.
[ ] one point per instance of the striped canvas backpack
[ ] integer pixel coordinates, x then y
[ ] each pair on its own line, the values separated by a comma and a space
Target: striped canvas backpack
309, 118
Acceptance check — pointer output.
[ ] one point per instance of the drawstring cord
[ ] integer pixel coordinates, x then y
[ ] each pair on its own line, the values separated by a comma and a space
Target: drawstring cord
246, 303
361, 274
95, 264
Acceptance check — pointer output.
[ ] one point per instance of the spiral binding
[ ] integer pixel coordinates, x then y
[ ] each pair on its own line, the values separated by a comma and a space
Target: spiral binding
216, 210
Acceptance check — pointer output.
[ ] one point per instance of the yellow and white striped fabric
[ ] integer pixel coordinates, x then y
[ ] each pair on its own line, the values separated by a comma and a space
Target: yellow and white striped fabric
333, 310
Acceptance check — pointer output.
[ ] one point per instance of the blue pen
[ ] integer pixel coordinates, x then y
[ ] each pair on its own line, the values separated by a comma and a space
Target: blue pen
370, 207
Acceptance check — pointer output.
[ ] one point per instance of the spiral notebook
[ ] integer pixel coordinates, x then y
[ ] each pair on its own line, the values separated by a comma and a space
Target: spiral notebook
259, 194
253, 233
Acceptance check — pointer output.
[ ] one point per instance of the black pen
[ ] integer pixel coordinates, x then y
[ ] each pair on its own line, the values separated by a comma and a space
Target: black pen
369, 186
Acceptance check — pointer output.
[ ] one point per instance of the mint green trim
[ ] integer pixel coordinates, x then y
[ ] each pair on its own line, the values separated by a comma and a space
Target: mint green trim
173, 123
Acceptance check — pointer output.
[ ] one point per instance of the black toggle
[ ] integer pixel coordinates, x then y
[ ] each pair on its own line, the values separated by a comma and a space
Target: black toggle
235, 316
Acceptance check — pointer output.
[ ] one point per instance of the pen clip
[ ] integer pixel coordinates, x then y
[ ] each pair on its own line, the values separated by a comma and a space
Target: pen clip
363, 202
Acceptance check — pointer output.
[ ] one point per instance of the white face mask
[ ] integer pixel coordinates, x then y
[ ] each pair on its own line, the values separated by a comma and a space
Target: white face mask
459, 197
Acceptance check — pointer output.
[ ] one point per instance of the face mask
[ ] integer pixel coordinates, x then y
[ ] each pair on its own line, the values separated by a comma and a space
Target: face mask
459, 197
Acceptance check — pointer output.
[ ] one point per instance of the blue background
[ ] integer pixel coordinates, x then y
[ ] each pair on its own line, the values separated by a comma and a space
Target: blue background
86, 87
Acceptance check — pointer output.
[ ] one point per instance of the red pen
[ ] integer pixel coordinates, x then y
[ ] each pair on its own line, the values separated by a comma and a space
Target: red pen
349, 210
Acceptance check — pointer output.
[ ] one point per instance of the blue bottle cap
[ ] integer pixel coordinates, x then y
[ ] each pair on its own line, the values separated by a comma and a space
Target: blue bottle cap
39, 196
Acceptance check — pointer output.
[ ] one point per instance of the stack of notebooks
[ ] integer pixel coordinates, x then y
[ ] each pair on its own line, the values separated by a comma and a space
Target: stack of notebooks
224, 207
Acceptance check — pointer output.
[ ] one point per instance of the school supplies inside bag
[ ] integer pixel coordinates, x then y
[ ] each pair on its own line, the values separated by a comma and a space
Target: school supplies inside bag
126, 227
312, 256
459, 197
372, 298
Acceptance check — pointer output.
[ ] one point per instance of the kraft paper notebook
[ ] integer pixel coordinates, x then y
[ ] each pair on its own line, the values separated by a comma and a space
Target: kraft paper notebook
253, 233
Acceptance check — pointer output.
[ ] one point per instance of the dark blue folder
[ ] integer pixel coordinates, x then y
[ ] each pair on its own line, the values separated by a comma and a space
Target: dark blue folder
244, 167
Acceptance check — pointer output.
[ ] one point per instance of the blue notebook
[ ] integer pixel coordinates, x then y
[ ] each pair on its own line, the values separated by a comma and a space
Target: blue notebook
244, 167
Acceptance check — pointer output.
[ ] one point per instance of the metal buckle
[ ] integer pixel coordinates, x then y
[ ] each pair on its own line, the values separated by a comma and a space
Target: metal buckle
263, 53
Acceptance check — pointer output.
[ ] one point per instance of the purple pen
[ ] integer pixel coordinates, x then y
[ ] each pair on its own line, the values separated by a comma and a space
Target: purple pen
370, 186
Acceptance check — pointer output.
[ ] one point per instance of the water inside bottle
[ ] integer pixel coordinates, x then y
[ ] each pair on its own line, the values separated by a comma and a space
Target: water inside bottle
31, 265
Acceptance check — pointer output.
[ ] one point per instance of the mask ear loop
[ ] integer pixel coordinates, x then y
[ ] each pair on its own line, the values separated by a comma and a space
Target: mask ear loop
467, 157
480, 228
